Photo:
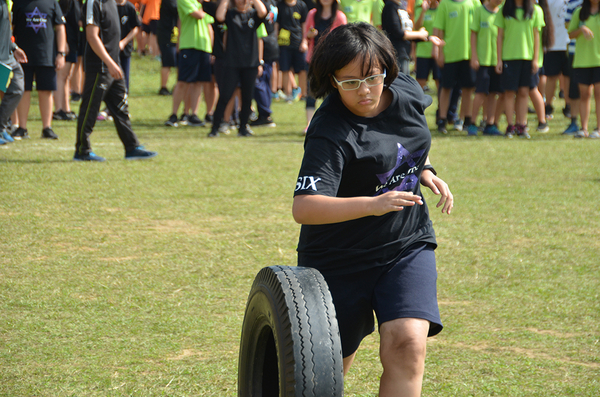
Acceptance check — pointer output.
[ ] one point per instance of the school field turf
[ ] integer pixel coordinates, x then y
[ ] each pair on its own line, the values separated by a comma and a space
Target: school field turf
131, 278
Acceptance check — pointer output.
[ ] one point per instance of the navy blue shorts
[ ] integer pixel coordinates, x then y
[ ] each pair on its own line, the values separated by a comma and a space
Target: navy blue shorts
194, 66
406, 289
487, 80
291, 58
586, 76
535, 80
457, 74
425, 66
44, 76
515, 74
150, 27
555, 63
168, 54
71, 55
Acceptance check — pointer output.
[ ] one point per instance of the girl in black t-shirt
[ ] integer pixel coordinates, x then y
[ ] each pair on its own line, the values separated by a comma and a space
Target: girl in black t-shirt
365, 224
241, 58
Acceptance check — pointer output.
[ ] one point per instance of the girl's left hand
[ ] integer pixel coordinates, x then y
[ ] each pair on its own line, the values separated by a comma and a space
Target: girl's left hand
438, 187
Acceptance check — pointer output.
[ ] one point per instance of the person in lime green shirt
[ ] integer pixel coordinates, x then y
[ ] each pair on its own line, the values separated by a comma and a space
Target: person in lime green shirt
426, 52
484, 35
585, 28
194, 70
362, 11
518, 49
452, 24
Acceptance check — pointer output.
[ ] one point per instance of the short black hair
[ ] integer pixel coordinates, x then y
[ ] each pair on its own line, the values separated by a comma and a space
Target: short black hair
344, 44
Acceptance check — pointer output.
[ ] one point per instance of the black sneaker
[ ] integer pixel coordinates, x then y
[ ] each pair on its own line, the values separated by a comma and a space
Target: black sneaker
172, 121
567, 111
208, 118
522, 131
72, 115
60, 115
75, 97
139, 153
543, 128
441, 126
213, 134
549, 112
47, 133
20, 133
88, 157
164, 91
195, 121
263, 122
245, 132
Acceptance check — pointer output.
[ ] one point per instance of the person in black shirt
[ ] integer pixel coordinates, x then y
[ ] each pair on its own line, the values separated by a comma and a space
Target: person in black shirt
241, 58
365, 224
130, 25
40, 31
167, 35
104, 81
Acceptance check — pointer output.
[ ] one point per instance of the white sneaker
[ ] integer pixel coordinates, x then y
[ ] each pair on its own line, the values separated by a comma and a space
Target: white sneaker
594, 135
459, 124
580, 134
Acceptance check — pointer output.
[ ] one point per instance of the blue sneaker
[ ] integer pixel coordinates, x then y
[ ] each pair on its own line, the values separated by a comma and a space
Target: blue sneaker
88, 157
5, 136
492, 130
472, 130
2, 142
139, 153
296, 94
572, 129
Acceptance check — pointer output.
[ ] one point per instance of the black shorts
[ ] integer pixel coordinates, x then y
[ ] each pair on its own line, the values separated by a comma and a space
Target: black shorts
406, 289
535, 80
573, 85
168, 54
587, 76
515, 74
151, 27
291, 58
194, 66
457, 74
487, 80
425, 66
44, 76
555, 63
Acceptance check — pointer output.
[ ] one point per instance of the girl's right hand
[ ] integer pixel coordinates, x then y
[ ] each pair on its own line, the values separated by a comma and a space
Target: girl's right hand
587, 33
499, 67
394, 201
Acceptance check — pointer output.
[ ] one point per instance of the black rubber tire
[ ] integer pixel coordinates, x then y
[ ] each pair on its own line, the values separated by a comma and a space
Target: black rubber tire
290, 343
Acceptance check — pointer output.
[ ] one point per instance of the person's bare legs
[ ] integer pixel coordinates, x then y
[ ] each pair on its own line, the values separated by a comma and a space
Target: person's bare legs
23, 109
584, 105
179, 93
538, 104
597, 99
402, 351
45, 99
444, 102
521, 105
61, 95
164, 76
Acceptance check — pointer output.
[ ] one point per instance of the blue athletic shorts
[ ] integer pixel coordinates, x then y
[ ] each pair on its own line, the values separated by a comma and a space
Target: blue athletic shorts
457, 74
426, 65
291, 58
515, 74
487, 80
44, 76
405, 289
586, 76
194, 66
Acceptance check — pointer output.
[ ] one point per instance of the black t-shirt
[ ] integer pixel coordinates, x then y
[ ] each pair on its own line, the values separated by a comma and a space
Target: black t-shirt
394, 22
34, 22
241, 49
219, 30
129, 21
104, 14
290, 20
349, 156
168, 20
72, 17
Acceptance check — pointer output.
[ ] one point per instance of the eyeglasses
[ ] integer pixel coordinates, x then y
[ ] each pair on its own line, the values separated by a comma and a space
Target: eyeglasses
354, 84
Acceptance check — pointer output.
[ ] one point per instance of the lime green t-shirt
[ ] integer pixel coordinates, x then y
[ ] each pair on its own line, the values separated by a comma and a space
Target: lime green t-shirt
194, 32
587, 52
518, 34
454, 19
359, 11
487, 35
424, 47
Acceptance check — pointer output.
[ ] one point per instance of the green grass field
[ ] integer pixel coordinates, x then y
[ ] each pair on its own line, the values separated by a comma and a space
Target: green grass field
131, 278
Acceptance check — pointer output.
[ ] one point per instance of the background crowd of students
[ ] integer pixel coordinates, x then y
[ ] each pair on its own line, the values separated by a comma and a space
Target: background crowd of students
494, 56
